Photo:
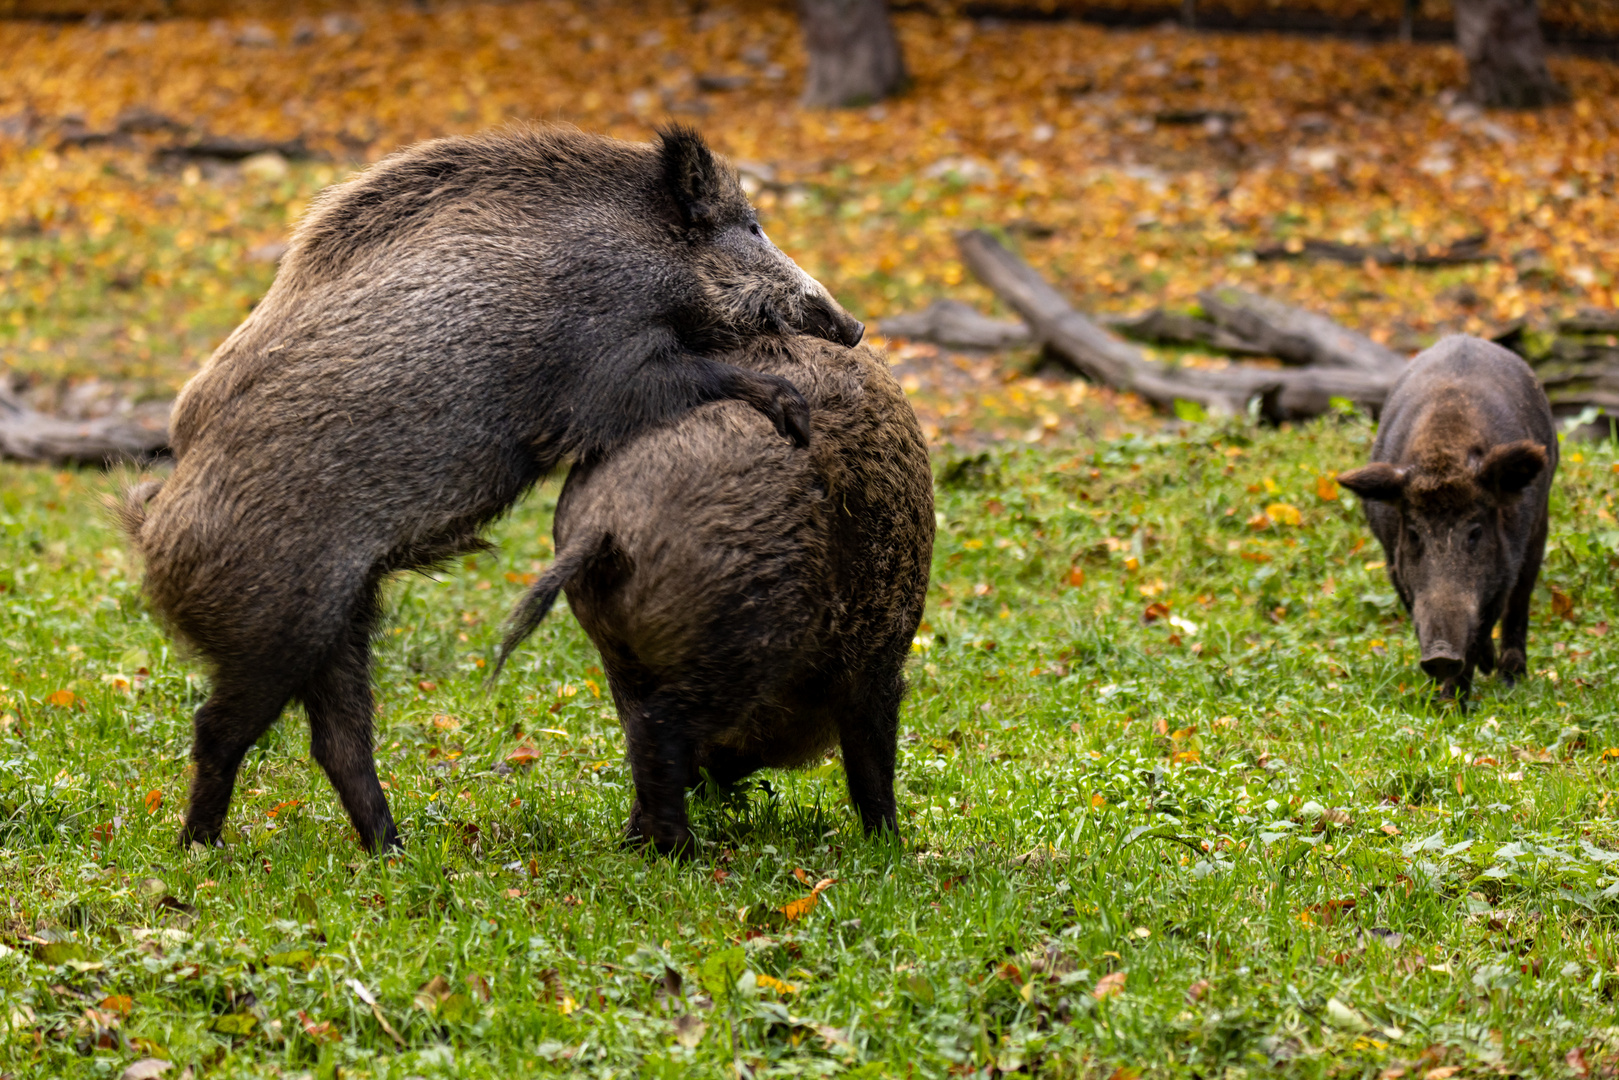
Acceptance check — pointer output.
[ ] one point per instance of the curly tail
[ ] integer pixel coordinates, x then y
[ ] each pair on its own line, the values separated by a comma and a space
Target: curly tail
129, 507
534, 606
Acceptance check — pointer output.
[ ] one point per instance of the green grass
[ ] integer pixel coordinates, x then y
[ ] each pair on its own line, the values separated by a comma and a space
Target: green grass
1179, 809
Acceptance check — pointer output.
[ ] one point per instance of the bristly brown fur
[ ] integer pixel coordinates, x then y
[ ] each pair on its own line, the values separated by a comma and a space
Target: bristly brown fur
754, 605
445, 328
1459, 503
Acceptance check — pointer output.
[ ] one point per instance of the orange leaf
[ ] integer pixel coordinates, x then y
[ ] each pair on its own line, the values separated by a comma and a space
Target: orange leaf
797, 909
102, 833
525, 754
1098, 801
1326, 487
427, 686
122, 1004
1562, 607
63, 698
1155, 611
1259, 521
1109, 985
321, 1032
154, 801
1185, 757
1076, 577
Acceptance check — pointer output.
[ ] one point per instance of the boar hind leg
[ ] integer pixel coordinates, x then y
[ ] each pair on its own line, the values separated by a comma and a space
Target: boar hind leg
240, 710
661, 763
868, 731
1515, 621
338, 701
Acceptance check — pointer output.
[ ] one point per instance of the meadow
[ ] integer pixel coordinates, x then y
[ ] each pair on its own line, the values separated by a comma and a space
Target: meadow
1176, 801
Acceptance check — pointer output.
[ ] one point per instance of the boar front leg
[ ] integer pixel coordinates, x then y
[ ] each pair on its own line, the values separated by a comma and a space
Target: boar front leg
868, 731
338, 701
1515, 622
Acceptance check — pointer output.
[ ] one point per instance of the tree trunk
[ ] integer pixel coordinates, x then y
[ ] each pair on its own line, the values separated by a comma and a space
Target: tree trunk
1505, 53
854, 58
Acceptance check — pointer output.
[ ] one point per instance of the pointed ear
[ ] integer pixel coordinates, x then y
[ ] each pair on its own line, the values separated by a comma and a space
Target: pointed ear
1509, 468
691, 175
1379, 481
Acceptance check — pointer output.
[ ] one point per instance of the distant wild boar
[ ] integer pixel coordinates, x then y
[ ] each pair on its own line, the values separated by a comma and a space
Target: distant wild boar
445, 328
1457, 494
753, 605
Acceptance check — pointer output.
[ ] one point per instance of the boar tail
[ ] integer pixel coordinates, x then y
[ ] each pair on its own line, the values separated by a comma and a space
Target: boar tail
129, 507
534, 606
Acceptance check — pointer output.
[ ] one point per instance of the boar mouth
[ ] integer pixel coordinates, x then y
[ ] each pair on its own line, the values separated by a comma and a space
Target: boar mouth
835, 325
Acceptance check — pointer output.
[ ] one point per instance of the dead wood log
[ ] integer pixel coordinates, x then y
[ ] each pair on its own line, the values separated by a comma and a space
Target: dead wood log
1095, 353
1298, 336
1174, 328
29, 435
1468, 250
956, 325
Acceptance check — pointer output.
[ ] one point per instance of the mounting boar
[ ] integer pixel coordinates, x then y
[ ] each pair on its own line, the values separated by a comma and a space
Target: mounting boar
1457, 494
445, 328
753, 605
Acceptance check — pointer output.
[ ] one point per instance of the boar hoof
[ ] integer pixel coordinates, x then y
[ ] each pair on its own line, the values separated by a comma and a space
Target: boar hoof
1512, 665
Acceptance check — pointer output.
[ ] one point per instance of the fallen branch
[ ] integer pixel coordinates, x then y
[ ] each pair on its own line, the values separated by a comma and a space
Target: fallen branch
1469, 250
29, 435
1295, 335
1173, 328
1095, 353
957, 325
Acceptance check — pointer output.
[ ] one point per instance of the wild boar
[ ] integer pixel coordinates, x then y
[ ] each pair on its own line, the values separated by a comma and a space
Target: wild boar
445, 328
1457, 494
753, 605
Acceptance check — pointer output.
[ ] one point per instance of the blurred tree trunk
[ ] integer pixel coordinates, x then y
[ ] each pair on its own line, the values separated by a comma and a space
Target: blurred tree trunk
854, 58
1506, 55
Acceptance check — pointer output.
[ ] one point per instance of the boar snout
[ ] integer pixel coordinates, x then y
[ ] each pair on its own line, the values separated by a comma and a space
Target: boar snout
1444, 628
827, 320
1442, 661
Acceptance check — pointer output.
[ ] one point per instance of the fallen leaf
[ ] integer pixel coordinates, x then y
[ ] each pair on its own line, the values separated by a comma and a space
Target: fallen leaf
154, 801
146, 1069
1562, 603
61, 698
1326, 487
524, 755
1284, 513
1109, 985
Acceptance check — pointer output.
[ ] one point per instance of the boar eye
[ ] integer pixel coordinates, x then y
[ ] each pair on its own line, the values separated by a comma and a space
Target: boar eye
753, 227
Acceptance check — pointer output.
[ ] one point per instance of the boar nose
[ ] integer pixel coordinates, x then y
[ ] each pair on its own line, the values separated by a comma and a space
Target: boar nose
1441, 661
850, 331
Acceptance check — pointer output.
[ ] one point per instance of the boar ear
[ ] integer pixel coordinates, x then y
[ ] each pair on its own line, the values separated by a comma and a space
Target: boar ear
1379, 481
1509, 468
691, 175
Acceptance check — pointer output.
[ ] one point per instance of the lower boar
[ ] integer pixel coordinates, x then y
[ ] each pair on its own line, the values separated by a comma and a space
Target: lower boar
753, 605
1457, 494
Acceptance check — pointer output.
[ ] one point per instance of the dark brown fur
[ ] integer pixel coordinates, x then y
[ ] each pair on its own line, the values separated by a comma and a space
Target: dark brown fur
1457, 494
445, 329
754, 606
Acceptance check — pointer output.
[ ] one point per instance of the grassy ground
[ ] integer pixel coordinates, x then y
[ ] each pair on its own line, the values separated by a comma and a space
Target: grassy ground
1175, 801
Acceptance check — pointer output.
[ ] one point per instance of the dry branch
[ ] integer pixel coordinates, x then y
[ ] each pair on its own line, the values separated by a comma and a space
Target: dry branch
1469, 250
957, 325
1297, 336
29, 435
1094, 352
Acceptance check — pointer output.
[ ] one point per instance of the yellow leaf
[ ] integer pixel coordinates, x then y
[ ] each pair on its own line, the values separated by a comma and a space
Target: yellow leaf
770, 982
1284, 513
